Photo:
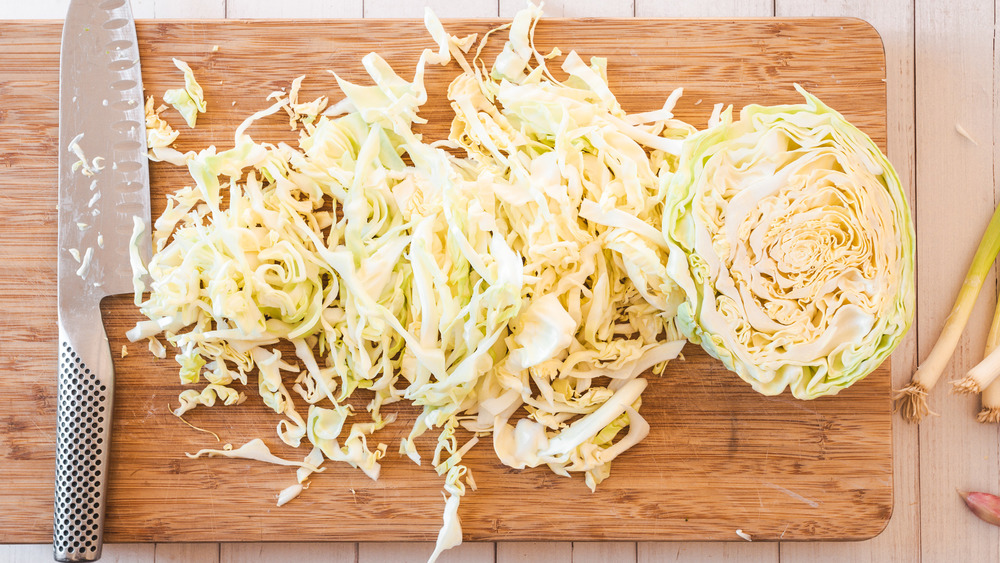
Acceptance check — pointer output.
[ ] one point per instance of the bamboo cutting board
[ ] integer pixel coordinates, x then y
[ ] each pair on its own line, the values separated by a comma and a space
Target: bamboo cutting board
719, 456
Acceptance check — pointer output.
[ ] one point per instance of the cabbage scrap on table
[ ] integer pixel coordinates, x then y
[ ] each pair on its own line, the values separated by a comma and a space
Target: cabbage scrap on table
514, 281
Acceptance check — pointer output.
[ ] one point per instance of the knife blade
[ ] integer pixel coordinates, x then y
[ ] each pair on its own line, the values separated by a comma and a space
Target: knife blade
103, 186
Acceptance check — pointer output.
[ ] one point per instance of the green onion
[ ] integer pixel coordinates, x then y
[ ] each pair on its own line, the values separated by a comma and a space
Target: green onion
912, 399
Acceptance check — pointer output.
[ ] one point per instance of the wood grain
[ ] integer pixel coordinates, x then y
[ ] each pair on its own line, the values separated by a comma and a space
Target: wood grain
720, 457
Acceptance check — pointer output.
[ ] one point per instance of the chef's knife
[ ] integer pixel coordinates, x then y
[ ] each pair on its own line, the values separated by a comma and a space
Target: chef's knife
103, 186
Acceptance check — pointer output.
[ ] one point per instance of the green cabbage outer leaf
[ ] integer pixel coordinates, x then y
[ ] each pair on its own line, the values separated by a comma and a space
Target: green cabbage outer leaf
791, 238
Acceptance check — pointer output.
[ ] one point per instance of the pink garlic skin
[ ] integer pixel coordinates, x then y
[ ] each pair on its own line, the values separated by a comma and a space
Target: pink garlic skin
983, 505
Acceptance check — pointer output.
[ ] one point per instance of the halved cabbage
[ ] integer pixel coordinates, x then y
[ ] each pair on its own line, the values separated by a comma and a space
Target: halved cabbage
790, 236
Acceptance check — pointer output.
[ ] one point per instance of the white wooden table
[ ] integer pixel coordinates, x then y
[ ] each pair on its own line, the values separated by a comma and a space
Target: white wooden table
942, 71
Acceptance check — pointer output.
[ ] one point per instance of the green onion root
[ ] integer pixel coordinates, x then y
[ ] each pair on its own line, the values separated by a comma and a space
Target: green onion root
991, 405
911, 401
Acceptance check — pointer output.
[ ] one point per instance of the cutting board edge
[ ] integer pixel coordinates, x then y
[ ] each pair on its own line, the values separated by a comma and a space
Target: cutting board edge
51, 25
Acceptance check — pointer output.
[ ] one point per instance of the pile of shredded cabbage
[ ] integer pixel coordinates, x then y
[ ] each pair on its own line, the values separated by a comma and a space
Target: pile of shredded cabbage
515, 293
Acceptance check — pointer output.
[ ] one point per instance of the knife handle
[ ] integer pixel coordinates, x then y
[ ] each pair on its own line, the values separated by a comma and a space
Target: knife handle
83, 436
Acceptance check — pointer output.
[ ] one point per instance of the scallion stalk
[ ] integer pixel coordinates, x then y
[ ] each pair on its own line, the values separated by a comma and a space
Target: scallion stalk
981, 376
991, 394
985, 372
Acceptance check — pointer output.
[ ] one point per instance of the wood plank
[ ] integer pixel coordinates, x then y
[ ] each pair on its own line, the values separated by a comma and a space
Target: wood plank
313, 552
186, 553
776, 460
111, 552
956, 191
299, 9
126, 553
146, 9
193, 9
602, 552
714, 9
25, 552
574, 8
408, 9
56, 9
894, 22
418, 552
705, 552
534, 552
40, 9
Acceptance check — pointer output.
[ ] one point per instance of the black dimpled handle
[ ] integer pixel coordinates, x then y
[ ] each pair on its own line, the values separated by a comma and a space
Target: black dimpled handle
83, 433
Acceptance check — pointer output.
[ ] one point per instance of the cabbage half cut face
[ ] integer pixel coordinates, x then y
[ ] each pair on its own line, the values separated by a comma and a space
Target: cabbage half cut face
790, 236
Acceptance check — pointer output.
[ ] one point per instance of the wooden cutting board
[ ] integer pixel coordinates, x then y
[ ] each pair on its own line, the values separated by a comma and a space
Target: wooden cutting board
719, 456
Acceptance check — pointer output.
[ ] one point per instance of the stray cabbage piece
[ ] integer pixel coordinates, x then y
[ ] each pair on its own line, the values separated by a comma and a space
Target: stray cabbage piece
791, 238
189, 100
289, 493
85, 166
255, 449
304, 112
159, 133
